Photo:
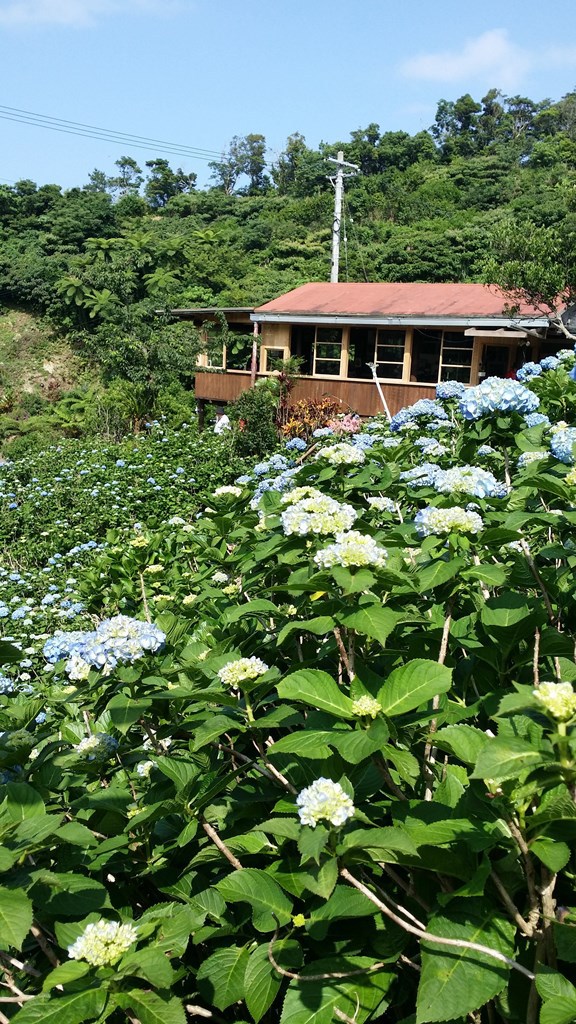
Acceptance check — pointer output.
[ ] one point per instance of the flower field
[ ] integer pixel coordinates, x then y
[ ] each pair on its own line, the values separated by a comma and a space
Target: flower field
293, 742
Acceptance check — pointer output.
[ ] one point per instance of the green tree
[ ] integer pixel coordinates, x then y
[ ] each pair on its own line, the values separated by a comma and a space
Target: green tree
535, 265
98, 181
245, 156
129, 177
163, 183
455, 126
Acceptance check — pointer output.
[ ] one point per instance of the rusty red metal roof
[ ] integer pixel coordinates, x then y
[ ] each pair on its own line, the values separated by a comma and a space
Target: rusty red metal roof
396, 299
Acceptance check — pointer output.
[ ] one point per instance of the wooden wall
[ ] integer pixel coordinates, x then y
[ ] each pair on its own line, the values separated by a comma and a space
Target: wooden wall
355, 396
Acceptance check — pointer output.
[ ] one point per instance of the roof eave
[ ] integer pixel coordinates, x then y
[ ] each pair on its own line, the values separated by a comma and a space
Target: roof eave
401, 321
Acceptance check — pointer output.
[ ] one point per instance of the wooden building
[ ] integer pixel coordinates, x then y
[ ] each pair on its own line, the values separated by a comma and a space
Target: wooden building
415, 334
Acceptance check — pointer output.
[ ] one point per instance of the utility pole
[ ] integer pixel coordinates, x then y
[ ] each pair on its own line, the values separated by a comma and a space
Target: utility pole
338, 183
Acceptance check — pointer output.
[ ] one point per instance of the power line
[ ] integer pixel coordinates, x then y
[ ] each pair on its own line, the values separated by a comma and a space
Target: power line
104, 134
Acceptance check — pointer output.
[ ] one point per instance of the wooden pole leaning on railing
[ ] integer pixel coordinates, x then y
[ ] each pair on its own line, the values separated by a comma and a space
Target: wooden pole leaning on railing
372, 367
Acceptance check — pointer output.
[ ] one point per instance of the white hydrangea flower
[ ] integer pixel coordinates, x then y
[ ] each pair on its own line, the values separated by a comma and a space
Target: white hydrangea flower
367, 706
241, 670
379, 503
77, 669
228, 489
557, 699
342, 454
527, 458
297, 493
352, 548
324, 799
103, 942
143, 769
439, 521
219, 577
317, 514
98, 747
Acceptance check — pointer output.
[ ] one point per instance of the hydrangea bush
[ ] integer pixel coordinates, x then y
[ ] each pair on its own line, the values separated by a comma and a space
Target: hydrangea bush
304, 752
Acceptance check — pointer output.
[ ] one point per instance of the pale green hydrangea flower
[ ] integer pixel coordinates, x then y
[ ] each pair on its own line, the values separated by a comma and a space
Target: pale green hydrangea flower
77, 669
96, 748
433, 521
379, 503
352, 548
297, 493
324, 799
367, 706
319, 514
241, 670
235, 492
557, 700
103, 942
342, 454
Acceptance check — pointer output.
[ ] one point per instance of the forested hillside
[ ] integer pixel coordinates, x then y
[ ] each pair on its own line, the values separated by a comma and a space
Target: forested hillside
98, 261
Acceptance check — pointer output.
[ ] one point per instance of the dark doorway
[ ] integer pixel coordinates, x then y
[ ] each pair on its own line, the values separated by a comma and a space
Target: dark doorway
496, 360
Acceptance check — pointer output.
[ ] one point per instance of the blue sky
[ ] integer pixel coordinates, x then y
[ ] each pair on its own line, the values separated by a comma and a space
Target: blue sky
196, 72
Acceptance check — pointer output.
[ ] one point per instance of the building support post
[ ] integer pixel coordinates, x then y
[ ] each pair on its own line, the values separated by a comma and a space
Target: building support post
254, 360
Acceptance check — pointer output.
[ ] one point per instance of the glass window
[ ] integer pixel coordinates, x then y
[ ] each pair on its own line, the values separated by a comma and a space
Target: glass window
302, 345
328, 351
384, 348
274, 356
239, 347
361, 352
426, 355
441, 355
456, 357
216, 359
390, 354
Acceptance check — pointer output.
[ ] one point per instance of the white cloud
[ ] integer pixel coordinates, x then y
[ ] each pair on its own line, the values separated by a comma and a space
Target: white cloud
491, 57
75, 12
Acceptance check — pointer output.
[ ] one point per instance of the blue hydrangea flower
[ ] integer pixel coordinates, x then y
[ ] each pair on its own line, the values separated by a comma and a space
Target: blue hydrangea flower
549, 362
534, 419
429, 446
296, 444
363, 441
116, 640
469, 480
528, 371
421, 476
562, 443
450, 389
6, 685
497, 394
423, 407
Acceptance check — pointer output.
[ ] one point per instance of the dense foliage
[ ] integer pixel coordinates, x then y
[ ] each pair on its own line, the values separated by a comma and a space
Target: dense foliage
486, 194
305, 754
421, 208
